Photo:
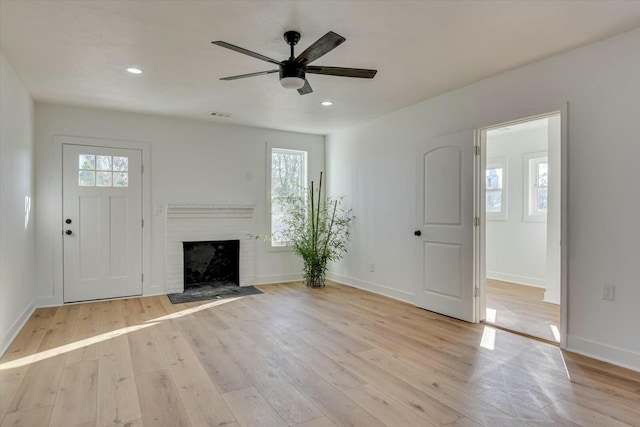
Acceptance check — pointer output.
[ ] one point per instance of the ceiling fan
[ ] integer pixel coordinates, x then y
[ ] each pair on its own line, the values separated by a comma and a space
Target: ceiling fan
293, 70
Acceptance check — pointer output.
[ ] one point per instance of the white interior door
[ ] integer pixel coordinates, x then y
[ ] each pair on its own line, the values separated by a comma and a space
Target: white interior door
446, 214
102, 222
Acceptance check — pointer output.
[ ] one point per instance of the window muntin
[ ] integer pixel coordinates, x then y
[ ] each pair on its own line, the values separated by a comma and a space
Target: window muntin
496, 189
103, 171
288, 178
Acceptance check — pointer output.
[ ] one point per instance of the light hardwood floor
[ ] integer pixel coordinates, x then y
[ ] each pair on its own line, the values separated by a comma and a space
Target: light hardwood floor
522, 308
301, 357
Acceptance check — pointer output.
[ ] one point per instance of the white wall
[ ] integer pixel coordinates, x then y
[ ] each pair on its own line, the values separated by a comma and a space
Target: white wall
516, 250
374, 166
17, 252
191, 162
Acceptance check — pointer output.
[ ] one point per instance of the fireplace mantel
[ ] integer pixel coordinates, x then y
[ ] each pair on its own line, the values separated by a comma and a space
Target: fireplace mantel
209, 211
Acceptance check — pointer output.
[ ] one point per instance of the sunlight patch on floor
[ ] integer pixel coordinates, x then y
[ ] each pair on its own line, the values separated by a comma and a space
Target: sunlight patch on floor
488, 340
188, 311
38, 357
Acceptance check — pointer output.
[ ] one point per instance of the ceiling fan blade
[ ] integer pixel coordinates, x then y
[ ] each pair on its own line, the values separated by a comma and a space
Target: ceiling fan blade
342, 72
306, 88
245, 51
323, 45
242, 76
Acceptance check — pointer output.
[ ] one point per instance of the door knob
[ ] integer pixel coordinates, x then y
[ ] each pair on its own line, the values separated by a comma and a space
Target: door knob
417, 233
68, 232
68, 220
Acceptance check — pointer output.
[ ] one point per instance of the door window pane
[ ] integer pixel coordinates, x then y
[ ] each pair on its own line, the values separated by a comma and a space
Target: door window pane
86, 178
113, 171
103, 179
87, 162
120, 164
120, 179
494, 201
103, 163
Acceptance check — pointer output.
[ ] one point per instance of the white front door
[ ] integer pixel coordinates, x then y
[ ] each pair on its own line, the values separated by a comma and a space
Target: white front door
102, 222
446, 218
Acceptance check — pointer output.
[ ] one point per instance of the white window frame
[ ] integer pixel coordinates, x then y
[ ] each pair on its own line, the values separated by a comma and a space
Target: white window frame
530, 195
271, 148
498, 163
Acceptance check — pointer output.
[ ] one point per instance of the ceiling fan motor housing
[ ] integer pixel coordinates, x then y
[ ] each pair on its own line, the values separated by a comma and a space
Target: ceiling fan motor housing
291, 69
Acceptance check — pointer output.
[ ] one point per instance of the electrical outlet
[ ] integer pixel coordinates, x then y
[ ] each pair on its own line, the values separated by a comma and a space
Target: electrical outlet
372, 267
609, 292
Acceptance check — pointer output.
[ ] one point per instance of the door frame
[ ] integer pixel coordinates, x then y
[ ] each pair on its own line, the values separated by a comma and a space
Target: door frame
58, 250
562, 110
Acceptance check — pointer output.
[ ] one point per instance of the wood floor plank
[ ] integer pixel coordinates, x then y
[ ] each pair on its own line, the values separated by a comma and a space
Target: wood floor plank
117, 393
40, 384
77, 398
466, 404
288, 402
160, 403
201, 399
582, 416
385, 408
318, 422
425, 406
252, 410
87, 326
34, 417
331, 401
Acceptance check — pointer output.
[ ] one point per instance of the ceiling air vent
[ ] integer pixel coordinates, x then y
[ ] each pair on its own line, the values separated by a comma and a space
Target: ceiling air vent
219, 114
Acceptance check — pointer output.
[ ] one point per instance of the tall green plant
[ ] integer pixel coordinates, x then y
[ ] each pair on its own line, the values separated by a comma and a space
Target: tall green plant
317, 229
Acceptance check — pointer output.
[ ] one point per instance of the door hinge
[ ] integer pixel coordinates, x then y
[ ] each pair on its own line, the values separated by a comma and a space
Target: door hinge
141, 168
477, 292
143, 223
142, 277
477, 150
476, 221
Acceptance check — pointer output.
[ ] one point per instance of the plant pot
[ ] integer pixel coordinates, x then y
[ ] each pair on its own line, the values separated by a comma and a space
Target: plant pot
314, 272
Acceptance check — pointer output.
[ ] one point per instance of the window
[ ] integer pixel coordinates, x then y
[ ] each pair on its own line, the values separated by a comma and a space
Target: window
103, 171
536, 187
288, 178
496, 189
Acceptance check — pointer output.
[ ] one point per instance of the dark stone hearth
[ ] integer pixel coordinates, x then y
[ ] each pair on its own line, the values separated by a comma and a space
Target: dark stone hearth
207, 292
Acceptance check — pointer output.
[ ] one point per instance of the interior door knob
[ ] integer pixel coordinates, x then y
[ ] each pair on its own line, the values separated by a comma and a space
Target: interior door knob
68, 232
68, 220
417, 233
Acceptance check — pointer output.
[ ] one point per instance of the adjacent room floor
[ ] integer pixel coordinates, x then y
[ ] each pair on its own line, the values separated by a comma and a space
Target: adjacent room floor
294, 356
522, 309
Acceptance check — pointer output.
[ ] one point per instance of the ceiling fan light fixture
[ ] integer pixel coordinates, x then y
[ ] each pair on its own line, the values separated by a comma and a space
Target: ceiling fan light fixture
292, 82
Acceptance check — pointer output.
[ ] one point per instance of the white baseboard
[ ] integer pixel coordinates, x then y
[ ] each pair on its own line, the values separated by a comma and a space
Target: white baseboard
551, 297
372, 287
606, 353
46, 302
17, 326
277, 278
516, 278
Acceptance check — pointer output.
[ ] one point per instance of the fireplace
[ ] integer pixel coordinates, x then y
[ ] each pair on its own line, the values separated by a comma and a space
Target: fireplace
206, 223
211, 263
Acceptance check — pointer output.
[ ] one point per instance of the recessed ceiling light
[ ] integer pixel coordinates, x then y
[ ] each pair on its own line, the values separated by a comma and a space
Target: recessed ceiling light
327, 103
134, 70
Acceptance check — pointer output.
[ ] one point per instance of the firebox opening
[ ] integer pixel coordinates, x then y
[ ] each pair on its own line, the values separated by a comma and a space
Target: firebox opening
212, 263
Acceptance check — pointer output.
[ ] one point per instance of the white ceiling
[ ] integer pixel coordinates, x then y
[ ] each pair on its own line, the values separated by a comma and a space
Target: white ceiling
76, 52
